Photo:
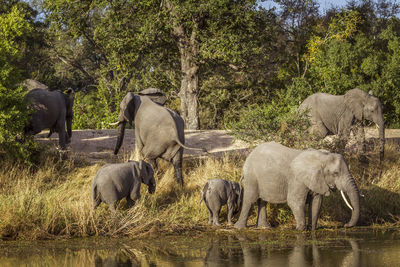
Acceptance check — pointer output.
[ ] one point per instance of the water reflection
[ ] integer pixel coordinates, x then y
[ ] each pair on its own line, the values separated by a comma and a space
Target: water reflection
235, 249
303, 252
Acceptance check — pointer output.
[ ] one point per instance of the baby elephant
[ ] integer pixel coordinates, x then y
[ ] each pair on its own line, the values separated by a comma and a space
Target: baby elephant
218, 192
116, 181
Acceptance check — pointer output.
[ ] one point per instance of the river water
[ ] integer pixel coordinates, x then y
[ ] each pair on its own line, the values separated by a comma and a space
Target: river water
364, 247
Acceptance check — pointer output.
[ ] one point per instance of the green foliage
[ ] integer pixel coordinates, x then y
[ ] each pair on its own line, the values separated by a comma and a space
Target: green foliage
13, 112
276, 121
92, 112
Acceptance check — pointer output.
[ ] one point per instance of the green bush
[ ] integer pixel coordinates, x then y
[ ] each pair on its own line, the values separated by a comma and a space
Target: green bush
90, 112
13, 118
273, 122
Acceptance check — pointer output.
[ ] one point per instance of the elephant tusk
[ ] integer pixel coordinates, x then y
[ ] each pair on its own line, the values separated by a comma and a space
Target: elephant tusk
345, 200
377, 126
114, 123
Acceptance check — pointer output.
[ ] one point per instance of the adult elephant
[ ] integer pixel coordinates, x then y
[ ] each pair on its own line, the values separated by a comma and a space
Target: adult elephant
159, 132
51, 110
278, 174
332, 114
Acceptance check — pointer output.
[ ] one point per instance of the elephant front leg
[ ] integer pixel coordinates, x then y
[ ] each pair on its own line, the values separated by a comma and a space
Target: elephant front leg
314, 210
249, 197
262, 214
296, 199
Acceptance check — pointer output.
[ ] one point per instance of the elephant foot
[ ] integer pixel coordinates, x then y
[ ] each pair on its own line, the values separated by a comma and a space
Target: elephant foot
265, 225
239, 225
300, 228
348, 225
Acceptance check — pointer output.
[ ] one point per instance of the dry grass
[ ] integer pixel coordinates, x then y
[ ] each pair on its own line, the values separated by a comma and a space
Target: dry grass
54, 200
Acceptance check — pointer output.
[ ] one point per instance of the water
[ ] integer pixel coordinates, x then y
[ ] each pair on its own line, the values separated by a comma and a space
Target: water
224, 248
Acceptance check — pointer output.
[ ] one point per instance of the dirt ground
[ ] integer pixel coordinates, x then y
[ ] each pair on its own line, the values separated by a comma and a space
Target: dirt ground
98, 145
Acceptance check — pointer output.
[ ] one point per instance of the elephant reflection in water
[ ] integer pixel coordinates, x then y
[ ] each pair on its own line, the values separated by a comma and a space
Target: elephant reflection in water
245, 253
122, 258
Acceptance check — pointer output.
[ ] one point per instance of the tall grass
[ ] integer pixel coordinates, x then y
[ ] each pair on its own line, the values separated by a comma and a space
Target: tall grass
54, 200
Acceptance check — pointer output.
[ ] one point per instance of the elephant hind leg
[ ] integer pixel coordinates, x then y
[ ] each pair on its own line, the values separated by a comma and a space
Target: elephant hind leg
96, 202
262, 214
177, 163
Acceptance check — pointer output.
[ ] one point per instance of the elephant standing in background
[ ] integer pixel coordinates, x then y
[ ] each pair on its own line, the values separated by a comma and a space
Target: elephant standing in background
332, 114
113, 182
159, 132
218, 192
51, 110
278, 174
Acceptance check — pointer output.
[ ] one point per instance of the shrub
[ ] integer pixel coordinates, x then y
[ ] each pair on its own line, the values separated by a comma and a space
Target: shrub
273, 122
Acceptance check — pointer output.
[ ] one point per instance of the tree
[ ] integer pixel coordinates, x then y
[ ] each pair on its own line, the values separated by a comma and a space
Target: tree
14, 27
112, 42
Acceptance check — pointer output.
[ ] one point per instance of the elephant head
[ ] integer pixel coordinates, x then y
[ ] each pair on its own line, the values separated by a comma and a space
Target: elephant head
69, 103
128, 108
368, 107
237, 195
146, 174
322, 171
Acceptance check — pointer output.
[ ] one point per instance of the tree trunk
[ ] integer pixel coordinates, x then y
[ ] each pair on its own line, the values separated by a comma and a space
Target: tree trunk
189, 89
188, 49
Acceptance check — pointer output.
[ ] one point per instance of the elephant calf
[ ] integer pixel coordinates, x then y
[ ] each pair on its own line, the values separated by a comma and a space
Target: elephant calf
116, 181
218, 192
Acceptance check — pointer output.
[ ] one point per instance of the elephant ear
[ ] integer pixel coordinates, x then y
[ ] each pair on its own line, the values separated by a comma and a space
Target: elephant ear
70, 96
308, 168
127, 108
354, 100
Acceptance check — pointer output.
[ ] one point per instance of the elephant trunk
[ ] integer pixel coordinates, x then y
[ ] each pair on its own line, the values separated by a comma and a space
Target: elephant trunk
121, 132
352, 192
69, 127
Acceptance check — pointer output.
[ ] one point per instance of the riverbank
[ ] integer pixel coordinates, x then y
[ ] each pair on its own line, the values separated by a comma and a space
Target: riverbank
54, 200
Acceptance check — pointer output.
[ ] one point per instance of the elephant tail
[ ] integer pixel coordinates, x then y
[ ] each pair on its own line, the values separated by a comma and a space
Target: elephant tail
191, 148
203, 195
94, 192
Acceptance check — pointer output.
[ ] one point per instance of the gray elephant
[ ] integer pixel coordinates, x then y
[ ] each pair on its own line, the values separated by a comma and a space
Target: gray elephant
159, 132
278, 174
218, 192
114, 182
332, 114
51, 110
154, 94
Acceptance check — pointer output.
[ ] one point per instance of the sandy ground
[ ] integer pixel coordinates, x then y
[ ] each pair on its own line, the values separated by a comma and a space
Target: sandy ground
98, 145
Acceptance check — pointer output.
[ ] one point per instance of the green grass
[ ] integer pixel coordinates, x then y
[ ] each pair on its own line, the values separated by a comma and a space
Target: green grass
54, 200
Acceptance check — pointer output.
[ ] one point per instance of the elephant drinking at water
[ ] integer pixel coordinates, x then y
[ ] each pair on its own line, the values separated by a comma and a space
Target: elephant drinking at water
278, 174
331, 114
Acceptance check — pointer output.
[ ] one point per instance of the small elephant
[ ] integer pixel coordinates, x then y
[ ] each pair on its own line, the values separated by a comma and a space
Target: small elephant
113, 182
159, 131
278, 174
51, 110
218, 192
336, 114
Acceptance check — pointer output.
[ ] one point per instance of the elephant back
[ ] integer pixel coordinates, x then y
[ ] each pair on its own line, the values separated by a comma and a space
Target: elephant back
155, 94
